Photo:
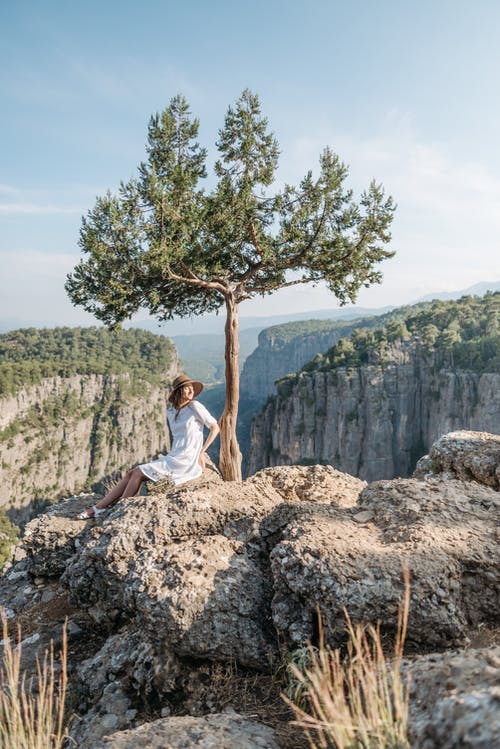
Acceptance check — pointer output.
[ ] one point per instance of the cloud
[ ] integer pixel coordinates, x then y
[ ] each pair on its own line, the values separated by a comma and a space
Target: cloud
8, 189
446, 228
421, 176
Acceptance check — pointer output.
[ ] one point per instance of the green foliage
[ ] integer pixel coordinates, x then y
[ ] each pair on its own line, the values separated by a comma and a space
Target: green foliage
281, 335
30, 354
164, 244
463, 334
8, 536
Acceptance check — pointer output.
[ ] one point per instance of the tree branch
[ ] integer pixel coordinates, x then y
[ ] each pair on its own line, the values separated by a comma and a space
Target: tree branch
255, 241
272, 287
251, 271
293, 261
216, 286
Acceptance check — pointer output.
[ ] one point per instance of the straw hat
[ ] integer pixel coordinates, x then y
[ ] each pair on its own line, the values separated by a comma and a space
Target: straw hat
182, 380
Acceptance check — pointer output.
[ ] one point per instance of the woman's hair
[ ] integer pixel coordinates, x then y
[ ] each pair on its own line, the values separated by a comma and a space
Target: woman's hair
176, 400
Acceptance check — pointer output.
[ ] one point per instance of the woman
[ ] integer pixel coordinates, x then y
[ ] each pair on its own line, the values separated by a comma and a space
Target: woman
186, 459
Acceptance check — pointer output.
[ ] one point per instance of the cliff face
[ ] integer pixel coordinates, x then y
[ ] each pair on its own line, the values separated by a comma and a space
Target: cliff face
281, 352
372, 421
63, 434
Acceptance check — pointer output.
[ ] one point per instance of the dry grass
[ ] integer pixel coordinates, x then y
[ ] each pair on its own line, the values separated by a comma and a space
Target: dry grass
215, 687
360, 702
32, 712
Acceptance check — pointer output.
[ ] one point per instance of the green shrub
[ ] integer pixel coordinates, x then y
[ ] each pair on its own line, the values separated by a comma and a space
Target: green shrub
30, 354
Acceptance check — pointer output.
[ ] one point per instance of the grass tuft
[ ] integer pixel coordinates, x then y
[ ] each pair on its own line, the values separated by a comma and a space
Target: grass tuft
360, 702
32, 712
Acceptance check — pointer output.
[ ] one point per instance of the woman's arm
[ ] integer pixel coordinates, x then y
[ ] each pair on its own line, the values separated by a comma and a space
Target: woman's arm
212, 434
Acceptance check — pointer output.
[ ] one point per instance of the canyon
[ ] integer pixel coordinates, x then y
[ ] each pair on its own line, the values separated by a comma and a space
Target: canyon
372, 421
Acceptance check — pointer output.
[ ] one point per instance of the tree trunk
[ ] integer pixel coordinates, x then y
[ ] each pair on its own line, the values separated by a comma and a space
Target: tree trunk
230, 455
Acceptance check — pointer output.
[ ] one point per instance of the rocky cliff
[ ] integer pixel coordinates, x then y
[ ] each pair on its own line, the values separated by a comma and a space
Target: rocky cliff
60, 434
181, 604
376, 401
372, 421
96, 431
283, 349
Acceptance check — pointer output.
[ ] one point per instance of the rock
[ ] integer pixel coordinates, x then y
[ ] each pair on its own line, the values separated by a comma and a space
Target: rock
286, 348
164, 486
81, 446
12, 587
455, 700
363, 517
51, 539
311, 484
34, 645
444, 531
187, 567
128, 669
469, 456
424, 468
225, 731
216, 575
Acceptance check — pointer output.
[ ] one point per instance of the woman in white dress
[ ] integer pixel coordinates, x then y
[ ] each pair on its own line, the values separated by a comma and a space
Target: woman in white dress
186, 459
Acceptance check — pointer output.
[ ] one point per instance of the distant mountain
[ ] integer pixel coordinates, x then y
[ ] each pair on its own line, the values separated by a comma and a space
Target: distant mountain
16, 323
202, 354
213, 324
479, 289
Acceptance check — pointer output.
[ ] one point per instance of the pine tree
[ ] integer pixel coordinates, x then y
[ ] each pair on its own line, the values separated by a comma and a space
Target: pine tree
165, 245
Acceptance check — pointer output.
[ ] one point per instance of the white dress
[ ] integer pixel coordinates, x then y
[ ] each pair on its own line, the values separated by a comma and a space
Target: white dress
181, 463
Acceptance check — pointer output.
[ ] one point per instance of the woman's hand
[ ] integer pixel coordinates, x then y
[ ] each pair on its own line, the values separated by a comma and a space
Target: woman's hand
214, 431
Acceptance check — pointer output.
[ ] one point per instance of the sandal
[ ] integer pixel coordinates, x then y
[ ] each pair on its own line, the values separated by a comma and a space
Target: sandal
96, 511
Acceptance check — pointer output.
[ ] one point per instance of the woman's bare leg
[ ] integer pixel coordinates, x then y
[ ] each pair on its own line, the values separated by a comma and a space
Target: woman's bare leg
115, 493
134, 484
127, 487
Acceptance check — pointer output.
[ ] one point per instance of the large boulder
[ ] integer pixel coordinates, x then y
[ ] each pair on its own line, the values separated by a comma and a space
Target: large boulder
445, 532
187, 566
52, 539
226, 731
191, 566
214, 574
471, 456
455, 700
319, 483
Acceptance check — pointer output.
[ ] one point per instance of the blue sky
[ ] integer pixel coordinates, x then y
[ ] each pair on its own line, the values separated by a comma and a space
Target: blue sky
406, 92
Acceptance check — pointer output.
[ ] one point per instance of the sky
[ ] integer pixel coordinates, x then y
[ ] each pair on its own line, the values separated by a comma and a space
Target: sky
405, 92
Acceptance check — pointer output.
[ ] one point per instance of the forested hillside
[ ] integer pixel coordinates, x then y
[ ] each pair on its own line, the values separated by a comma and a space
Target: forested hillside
464, 334
30, 354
